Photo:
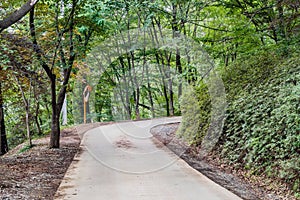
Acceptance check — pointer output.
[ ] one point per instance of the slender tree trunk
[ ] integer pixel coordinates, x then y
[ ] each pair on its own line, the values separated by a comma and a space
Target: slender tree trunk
3, 139
137, 88
179, 68
27, 110
81, 104
55, 125
169, 83
162, 67
172, 110
165, 86
167, 80
127, 99
28, 125
88, 112
37, 108
132, 73
131, 79
36, 118
149, 90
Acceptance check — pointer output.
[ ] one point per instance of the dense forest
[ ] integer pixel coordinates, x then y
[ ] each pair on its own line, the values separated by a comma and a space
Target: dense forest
229, 67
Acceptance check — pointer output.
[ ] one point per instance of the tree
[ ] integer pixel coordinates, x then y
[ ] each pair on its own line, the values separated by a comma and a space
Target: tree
275, 19
72, 31
66, 63
3, 140
4, 24
27, 109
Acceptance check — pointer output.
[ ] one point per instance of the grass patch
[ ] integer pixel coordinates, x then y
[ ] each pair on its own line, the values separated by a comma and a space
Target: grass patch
25, 148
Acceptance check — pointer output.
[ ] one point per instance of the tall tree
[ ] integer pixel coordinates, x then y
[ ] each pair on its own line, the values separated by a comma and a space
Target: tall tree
66, 63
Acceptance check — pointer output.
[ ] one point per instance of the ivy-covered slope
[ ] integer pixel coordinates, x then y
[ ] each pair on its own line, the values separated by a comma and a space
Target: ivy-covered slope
262, 126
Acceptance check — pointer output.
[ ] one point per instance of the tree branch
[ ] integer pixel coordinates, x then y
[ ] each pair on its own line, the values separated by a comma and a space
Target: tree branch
17, 15
37, 48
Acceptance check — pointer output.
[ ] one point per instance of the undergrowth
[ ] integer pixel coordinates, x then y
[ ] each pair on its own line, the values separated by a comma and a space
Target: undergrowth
262, 126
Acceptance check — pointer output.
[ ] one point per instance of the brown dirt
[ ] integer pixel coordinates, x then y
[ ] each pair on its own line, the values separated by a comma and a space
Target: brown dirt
240, 182
37, 172
123, 143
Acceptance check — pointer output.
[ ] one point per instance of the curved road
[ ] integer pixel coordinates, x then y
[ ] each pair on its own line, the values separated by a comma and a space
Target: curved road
123, 161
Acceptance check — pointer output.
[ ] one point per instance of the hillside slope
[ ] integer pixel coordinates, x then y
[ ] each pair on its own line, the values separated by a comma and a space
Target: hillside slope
262, 126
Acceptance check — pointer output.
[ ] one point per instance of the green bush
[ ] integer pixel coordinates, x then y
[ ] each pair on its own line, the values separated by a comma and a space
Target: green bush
262, 127
261, 131
195, 108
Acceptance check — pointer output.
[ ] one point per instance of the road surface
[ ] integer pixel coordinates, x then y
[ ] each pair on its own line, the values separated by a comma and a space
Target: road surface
123, 161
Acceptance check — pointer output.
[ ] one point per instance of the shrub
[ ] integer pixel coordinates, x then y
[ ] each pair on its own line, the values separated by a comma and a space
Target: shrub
195, 109
262, 127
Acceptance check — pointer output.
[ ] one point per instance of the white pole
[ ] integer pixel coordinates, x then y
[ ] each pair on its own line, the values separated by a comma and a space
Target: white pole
64, 112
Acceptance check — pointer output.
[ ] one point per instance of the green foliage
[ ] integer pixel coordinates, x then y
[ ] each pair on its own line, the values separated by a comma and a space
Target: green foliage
195, 108
25, 148
103, 104
261, 132
247, 73
262, 126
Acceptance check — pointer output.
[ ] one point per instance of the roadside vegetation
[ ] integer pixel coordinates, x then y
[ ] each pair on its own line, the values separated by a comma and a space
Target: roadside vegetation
261, 130
47, 78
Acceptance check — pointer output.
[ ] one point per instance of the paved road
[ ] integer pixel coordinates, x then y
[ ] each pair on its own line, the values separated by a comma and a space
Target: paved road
124, 162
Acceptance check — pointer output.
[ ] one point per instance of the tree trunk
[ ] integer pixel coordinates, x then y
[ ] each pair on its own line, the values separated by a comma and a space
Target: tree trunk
149, 89
171, 93
126, 83
137, 88
37, 109
27, 110
170, 84
3, 139
81, 103
55, 126
28, 126
36, 118
165, 86
55, 131
179, 68
165, 74
67, 65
